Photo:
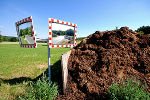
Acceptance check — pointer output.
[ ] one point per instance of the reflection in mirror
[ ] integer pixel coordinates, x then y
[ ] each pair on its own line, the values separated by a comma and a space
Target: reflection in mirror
62, 34
25, 33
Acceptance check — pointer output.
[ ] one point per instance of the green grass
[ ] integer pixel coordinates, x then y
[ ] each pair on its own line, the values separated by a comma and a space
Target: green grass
10, 92
24, 41
17, 62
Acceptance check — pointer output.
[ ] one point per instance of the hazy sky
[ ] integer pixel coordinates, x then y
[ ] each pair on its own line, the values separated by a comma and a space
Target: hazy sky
62, 27
89, 15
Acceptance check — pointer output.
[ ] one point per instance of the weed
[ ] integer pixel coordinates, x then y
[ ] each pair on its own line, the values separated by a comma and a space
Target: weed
41, 90
128, 90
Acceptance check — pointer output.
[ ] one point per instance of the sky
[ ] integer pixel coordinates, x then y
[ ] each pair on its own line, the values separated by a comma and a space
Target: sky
89, 15
62, 27
25, 25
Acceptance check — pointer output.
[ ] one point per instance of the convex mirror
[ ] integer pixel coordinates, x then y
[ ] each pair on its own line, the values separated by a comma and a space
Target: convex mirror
26, 34
61, 34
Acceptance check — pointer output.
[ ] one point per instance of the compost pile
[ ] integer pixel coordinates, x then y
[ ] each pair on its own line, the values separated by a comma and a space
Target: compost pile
106, 57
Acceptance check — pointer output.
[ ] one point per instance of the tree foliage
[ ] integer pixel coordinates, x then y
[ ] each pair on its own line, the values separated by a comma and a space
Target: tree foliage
144, 30
26, 31
1, 38
69, 32
10, 39
13, 39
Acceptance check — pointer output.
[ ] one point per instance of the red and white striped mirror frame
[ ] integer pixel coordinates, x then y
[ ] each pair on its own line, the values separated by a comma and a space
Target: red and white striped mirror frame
28, 19
65, 23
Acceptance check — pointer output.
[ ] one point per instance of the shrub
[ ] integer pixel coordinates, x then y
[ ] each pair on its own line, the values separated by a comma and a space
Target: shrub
10, 39
1, 38
13, 39
41, 90
143, 30
128, 90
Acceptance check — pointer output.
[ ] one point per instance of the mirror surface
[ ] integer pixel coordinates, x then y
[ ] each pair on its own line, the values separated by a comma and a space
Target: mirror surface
62, 34
25, 33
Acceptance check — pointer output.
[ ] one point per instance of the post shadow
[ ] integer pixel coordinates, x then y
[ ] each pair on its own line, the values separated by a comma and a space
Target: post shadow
56, 77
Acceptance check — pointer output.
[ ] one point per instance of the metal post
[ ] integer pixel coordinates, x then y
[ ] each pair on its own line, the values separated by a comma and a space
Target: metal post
49, 63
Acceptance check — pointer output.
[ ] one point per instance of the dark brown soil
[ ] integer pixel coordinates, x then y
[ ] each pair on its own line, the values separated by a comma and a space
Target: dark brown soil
106, 57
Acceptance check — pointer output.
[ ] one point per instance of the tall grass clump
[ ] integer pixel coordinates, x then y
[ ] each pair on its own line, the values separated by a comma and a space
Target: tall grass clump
128, 90
41, 90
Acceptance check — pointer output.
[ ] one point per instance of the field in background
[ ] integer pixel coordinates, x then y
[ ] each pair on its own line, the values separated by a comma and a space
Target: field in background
5, 42
17, 65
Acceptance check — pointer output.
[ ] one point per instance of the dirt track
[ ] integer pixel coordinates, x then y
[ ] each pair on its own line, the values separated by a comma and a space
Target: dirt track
105, 57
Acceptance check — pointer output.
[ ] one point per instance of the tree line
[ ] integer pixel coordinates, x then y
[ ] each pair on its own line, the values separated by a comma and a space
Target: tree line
23, 32
143, 30
8, 38
68, 32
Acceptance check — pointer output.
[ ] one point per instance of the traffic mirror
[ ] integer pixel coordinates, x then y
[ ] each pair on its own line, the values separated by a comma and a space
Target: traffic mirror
26, 33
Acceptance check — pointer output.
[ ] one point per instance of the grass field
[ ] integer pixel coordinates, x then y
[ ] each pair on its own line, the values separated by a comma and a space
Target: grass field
17, 65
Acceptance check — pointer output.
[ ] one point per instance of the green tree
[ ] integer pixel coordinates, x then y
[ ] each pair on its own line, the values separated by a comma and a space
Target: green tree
13, 39
21, 32
70, 32
144, 30
26, 31
5, 38
30, 31
1, 38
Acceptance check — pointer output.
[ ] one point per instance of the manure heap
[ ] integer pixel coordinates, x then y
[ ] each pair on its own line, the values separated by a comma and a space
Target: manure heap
106, 57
